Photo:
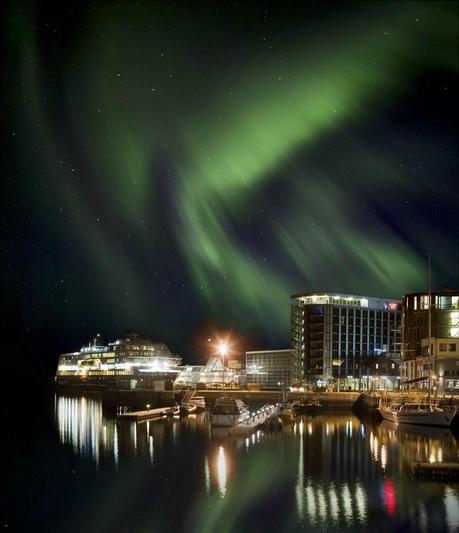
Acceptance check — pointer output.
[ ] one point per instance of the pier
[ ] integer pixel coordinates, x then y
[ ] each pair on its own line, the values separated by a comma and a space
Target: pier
439, 471
253, 421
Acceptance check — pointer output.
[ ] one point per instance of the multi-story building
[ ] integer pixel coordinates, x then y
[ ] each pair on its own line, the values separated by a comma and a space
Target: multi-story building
335, 336
273, 369
443, 361
129, 362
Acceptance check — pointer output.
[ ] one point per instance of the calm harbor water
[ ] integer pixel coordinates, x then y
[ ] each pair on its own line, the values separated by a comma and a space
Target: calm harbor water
329, 472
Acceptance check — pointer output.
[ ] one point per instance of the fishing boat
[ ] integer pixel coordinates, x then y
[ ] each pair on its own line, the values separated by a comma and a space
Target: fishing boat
228, 412
311, 407
287, 413
425, 414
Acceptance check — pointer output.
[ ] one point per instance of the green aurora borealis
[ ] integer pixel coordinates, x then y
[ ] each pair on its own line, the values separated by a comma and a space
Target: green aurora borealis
190, 166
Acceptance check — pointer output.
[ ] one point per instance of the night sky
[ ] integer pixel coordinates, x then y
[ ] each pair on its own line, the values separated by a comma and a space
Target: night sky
180, 168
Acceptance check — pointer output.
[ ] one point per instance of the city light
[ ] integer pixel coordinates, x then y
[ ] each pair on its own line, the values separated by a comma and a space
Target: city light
223, 348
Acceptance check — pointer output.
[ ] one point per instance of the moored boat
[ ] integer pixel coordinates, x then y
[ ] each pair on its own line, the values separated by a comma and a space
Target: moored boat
273, 423
312, 407
199, 402
171, 411
228, 412
287, 413
187, 408
418, 413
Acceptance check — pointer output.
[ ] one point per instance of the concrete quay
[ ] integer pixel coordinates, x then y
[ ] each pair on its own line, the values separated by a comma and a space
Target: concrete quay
140, 397
437, 471
326, 399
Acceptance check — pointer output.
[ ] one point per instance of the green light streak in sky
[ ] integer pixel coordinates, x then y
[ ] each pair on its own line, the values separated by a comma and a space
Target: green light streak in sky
269, 119
131, 100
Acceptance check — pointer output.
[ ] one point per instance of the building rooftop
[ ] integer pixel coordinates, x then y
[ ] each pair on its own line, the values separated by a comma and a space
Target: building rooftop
340, 295
443, 292
269, 351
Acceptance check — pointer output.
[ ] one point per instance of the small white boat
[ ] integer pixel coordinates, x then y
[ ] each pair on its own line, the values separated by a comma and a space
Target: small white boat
199, 402
187, 408
418, 413
228, 412
171, 411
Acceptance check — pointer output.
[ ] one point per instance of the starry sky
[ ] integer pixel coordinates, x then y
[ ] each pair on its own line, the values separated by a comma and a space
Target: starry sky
183, 168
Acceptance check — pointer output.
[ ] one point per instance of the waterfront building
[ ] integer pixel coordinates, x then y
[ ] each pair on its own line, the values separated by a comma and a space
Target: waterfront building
130, 362
213, 374
273, 369
336, 338
443, 361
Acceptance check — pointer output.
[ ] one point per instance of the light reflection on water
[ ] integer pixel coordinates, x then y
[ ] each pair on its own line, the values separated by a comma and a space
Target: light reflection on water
343, 473
221, 471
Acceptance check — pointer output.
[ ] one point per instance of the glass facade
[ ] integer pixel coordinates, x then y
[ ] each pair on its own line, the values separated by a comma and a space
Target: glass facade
273, 369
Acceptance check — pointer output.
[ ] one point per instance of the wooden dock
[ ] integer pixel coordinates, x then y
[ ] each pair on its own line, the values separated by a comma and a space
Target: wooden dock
438, 471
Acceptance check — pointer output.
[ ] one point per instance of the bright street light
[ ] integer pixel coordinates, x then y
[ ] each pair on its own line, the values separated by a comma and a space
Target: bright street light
223, 351
223, 348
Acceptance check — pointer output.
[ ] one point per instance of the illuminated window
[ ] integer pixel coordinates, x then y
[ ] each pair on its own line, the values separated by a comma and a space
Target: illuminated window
454, 322
443, 302
424, 302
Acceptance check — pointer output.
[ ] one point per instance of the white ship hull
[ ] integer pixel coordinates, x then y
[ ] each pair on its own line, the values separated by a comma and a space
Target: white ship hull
427, 418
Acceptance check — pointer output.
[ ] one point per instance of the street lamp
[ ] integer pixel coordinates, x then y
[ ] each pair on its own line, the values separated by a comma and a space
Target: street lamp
223, 351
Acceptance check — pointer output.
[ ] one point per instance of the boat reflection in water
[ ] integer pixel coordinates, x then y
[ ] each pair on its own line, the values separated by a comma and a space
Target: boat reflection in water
327, 471
411, 443
343, 464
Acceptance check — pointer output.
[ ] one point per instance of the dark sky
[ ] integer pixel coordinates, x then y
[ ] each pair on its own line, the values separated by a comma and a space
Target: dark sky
182, 168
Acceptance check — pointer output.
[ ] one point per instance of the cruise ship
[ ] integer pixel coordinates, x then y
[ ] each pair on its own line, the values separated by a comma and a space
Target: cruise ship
127, 363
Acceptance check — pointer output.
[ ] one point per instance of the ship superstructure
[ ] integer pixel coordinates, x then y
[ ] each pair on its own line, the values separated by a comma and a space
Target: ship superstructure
129, 362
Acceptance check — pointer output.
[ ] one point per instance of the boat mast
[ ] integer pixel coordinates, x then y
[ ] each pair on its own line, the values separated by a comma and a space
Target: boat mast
430, 333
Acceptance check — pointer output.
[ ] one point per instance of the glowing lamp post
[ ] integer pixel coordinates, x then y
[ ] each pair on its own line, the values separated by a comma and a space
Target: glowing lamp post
223, 351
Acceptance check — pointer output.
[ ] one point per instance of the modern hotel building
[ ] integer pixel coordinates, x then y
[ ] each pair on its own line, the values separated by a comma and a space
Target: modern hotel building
337, 339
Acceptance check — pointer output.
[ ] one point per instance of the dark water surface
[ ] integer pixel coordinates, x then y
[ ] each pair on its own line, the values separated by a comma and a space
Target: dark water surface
78, 470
